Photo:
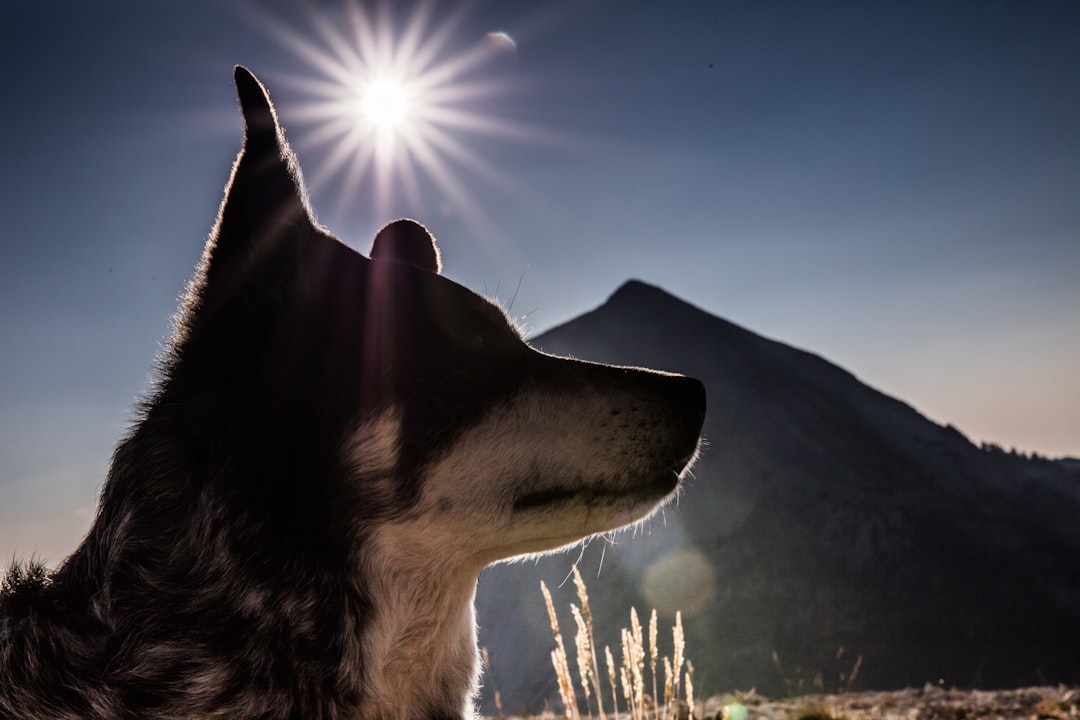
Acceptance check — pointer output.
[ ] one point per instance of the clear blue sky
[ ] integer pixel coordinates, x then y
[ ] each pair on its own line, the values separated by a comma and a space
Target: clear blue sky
895, 186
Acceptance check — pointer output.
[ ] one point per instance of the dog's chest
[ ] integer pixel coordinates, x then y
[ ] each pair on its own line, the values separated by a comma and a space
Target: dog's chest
428, 670
419, 650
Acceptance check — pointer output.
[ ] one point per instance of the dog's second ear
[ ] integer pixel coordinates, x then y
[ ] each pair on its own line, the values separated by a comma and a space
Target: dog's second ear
409, 242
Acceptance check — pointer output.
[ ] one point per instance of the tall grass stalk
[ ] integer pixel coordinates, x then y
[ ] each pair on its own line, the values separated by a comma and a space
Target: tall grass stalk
679, 642
583, 596
584, 655
611, 678
652, 662
558, 660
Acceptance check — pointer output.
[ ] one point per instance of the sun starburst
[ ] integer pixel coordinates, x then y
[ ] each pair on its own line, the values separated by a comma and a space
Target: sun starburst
392, 102
385, 103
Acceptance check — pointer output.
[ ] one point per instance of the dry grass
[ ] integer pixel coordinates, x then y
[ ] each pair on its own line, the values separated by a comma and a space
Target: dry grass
797, 684
634, 675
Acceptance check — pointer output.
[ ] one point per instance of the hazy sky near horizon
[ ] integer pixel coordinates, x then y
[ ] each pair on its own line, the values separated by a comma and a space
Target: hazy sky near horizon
894, 186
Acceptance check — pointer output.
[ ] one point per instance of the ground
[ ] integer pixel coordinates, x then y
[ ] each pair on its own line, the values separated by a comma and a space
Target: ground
928, 703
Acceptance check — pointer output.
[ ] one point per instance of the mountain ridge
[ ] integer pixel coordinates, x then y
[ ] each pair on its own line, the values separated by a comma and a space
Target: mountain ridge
636, 291
824, 513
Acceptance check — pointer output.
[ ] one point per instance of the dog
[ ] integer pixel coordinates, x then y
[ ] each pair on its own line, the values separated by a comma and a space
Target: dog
334, 448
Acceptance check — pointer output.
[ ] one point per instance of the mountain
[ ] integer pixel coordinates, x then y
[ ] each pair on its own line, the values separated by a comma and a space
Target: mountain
825, 521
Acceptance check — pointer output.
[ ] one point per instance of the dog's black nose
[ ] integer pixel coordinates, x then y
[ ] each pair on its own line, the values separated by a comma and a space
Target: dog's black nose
688, 394
695, 390
684, 398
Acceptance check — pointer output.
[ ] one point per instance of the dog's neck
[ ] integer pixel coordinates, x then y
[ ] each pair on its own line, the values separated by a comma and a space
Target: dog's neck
419, 649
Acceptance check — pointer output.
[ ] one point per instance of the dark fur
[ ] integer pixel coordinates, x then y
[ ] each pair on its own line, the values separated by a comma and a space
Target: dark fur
230, 570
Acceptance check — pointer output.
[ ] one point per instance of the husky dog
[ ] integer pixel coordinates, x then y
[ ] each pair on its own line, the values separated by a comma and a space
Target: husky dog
336, 446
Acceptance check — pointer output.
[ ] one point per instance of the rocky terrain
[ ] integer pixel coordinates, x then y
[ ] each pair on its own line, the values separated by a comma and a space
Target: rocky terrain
928, 703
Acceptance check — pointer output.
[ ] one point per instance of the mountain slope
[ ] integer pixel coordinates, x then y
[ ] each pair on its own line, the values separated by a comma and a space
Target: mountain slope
823, 515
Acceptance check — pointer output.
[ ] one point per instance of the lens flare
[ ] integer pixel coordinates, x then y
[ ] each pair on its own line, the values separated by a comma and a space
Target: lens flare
684, 579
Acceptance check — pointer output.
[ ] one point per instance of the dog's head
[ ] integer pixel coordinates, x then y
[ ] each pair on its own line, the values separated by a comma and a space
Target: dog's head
374, 391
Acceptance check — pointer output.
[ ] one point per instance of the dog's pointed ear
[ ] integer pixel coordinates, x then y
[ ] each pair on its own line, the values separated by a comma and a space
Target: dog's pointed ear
266, 177
407, 241
264, 217
260, 121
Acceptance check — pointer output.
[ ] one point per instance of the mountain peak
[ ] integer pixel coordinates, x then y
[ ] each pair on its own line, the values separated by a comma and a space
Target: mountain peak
637, 293
634, 288
648, 305
639, 320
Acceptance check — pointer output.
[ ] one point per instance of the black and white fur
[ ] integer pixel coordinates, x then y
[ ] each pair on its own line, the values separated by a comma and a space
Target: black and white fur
335, 448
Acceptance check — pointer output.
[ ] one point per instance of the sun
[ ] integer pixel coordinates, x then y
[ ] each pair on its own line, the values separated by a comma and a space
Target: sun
385, 103
396, 103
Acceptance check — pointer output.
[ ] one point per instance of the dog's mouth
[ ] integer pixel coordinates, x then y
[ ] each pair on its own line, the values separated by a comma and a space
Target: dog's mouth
653, 489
